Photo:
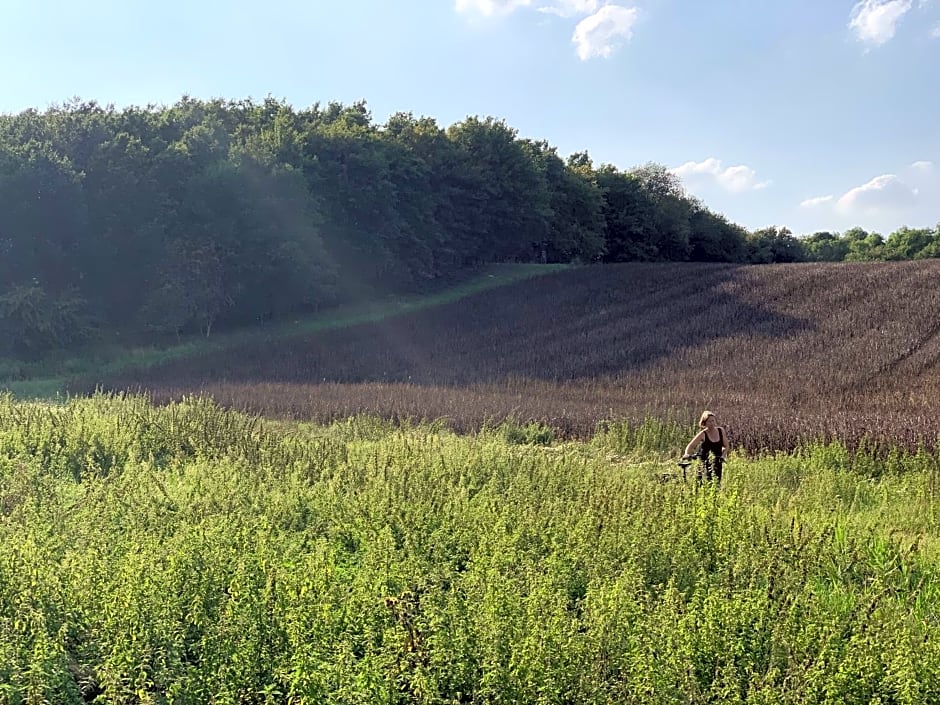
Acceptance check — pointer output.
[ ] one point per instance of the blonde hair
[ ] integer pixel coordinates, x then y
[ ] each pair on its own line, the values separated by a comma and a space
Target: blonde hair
705, 416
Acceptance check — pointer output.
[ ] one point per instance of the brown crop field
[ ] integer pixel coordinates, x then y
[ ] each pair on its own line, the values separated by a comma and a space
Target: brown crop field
783, 354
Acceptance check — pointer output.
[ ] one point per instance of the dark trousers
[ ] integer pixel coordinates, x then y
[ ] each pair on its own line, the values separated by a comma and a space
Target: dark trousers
711, 470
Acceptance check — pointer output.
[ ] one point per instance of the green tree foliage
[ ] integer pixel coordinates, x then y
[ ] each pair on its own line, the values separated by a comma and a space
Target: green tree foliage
629, 214
774, 245
223, 213
510, 192
859, 245
31, 320
712, 238
649, 217
911, 243
864, 246
43, 217
575, 208
824, 246
671, 210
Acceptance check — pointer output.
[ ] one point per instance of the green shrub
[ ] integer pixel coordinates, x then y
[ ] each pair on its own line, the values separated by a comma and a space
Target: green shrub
532, 433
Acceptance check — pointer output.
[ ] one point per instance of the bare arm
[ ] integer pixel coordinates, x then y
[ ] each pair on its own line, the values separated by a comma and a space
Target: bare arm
694, 442
726, 445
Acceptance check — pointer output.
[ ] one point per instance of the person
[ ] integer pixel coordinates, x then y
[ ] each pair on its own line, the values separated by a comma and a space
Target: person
712, 439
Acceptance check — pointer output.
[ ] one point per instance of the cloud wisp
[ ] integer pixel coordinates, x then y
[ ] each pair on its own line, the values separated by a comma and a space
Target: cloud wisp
883, 193
598, 35
601, 29
875, 22
816, 201
912, 192
571, 8
489, 8
735, 179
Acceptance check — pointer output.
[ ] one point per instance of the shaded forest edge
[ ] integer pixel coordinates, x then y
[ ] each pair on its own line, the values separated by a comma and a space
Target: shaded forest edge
45, 377
786, 354
149, 223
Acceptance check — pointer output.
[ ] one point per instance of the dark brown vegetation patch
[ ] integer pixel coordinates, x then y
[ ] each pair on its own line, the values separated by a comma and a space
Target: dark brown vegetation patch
782, 353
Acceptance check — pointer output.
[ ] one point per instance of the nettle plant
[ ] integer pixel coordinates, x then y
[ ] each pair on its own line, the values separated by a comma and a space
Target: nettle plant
188, 554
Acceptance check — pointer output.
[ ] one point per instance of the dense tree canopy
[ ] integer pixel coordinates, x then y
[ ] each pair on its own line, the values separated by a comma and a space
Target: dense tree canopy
165, 220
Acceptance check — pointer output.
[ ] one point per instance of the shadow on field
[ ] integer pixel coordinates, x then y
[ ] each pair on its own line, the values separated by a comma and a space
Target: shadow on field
585, 323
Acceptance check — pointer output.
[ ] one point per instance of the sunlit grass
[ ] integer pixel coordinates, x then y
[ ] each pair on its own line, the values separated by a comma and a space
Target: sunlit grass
188, 553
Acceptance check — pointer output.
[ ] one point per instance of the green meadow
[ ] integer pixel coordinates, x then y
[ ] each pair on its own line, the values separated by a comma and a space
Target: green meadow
187, 553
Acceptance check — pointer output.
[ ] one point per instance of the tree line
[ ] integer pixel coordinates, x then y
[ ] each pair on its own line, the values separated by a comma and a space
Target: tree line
156, 221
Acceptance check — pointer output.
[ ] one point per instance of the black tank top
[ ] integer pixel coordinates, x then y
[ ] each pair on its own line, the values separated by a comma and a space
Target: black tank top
710, 446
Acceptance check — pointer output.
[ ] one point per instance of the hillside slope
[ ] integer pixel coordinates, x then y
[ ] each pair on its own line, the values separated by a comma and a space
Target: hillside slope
857, 340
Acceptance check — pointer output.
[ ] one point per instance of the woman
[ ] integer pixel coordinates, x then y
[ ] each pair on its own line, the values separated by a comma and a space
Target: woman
713, 440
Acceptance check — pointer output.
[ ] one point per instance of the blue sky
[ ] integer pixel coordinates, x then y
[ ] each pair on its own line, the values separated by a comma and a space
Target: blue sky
811, 114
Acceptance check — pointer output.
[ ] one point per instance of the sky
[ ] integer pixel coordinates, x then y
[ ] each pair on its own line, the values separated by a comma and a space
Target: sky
806, 114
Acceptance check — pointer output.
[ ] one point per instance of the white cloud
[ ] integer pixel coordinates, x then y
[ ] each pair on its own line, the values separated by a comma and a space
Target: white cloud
875, 21
935, 31
599, 34
883, 193
488, 8
924, 167
817, 201
735, 179
571, 8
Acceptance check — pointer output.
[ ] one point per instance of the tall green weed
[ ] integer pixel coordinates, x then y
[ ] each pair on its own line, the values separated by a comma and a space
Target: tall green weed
191, 554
